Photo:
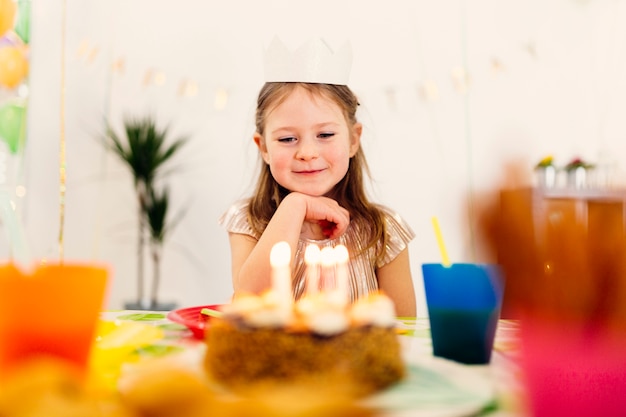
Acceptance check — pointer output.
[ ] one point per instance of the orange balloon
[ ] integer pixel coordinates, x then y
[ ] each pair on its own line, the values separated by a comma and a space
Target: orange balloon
13, 66
7, 15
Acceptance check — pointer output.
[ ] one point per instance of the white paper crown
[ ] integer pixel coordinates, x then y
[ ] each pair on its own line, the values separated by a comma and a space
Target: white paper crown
313, 62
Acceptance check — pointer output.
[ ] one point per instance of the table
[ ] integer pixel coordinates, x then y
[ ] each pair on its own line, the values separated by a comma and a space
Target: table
156, 336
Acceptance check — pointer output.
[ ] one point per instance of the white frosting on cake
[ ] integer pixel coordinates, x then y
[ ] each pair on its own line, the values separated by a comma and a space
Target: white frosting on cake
243, 305
322, 316
320, 313
270, 317
261, 311
328, 322
375, 309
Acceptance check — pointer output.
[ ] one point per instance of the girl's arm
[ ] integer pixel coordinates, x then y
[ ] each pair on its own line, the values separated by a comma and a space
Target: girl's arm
250, 259
394, 279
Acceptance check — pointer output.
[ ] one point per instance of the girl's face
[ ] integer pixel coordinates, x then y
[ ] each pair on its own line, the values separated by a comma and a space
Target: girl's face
307, 143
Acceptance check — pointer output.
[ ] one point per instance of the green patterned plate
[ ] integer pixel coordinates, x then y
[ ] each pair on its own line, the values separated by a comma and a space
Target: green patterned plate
437, 387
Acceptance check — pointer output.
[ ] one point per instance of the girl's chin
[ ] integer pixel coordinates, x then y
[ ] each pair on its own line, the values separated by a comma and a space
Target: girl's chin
314, 193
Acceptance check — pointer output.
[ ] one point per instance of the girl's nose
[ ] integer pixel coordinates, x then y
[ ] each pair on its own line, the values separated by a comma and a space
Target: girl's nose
307, 150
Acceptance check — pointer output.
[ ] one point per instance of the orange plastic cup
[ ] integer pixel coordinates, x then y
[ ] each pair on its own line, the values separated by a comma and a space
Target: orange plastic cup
52, 312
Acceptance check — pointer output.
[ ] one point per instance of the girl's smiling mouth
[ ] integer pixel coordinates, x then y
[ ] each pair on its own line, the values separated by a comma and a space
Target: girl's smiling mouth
309, 172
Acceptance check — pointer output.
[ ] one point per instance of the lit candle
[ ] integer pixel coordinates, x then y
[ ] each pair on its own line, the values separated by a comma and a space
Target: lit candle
327, 275
280, 259
341, 272
312, 256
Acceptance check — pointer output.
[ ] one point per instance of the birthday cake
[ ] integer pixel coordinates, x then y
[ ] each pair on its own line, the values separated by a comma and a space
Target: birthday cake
317, 340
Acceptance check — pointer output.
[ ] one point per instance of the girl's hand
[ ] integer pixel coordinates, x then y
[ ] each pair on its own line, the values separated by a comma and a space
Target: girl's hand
327, 228
326, 213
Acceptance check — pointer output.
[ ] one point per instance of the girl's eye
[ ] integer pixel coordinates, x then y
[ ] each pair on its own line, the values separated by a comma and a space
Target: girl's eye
287, 139
326, 135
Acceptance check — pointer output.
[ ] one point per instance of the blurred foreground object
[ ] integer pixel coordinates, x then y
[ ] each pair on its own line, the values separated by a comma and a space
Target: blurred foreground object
51, 311
161, 388
118, 343
50, 387
563, 252
564, 261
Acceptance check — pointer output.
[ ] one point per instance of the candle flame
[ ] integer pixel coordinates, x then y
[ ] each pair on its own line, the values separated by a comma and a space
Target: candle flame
280, 254
312, 255
327, 257
341, 254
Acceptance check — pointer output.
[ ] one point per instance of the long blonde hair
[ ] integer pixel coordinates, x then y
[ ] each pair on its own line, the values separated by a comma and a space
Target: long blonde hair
349, 192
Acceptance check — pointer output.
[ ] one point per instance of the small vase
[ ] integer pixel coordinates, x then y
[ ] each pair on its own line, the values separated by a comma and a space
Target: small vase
546, 176
577, 177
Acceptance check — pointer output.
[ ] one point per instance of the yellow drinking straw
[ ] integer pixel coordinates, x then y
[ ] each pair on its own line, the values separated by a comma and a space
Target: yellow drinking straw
442, 246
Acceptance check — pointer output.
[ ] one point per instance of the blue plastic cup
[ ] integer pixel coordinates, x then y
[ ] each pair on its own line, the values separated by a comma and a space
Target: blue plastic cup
464, 302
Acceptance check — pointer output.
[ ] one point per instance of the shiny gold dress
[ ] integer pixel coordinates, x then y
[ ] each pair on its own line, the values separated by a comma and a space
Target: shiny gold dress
362, 265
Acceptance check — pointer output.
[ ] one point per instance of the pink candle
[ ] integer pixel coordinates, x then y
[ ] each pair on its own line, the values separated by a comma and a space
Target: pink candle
341, 272
312, 257
280, 259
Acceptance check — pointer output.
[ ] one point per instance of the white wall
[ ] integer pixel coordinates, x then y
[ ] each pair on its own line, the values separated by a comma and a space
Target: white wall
558, 90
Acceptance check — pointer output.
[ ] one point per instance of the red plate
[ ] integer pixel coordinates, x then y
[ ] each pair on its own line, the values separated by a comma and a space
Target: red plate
193, 319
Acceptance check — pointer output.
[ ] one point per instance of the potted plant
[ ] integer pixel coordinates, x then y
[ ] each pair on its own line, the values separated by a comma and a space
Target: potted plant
546, 172
156, 212
577, 170
145, 149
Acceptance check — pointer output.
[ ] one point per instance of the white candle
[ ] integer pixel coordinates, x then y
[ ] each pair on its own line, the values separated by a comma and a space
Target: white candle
280, 259
327, 275
312, 256
341, 272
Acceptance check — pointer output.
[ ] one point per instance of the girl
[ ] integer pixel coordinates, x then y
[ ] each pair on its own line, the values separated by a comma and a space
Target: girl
310, 190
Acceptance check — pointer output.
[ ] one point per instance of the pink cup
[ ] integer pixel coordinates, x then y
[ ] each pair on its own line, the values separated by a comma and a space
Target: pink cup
572, 369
